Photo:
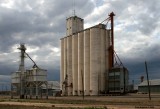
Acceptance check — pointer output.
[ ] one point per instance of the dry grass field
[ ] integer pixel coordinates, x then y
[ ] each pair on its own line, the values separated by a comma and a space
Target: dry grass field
134, 101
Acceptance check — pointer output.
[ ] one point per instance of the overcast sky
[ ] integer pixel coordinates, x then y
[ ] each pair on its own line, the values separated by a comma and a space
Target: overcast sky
41, 23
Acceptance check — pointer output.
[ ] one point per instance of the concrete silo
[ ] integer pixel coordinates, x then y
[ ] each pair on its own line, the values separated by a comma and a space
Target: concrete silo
75, 63
69, 65
85, 59
107, 61
94, 60
80, 62
87, 62
64, 77
62, 64
103, 66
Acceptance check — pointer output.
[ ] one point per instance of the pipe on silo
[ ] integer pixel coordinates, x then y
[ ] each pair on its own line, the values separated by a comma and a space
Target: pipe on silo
69, 65
87, 61
94, 60
75, 63
80, 62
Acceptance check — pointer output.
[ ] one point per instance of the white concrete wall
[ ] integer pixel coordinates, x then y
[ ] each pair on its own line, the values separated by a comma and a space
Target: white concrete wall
86, 54
62, 64
107, 44
94, 62
74, 24
80, 61
87, 62
69, 64
102, 60
75, 63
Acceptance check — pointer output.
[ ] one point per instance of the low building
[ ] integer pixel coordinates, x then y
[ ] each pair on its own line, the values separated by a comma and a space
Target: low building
53, 88
118, 80
153, 84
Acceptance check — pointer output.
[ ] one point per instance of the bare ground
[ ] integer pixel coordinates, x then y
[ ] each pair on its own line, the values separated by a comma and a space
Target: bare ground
134, 101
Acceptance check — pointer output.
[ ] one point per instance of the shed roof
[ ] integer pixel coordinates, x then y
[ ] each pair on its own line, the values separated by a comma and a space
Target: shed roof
151, 82
55, 85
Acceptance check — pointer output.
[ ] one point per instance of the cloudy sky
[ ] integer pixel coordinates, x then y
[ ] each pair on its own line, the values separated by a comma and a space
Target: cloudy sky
41, 23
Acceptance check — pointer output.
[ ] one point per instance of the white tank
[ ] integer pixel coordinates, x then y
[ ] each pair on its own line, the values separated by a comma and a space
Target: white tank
75, 63
62, 63
69, 65
36, 75
94, 60
15, 78
87, 61
80, 62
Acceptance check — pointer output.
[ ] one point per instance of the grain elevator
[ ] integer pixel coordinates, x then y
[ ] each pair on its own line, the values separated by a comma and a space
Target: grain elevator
87, 57
84, 58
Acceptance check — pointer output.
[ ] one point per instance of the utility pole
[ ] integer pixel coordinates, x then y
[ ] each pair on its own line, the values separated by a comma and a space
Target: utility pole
98, 86
124, 80
147, 80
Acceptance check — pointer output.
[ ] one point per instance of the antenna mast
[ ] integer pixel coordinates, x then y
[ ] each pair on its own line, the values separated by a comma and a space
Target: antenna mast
74, 11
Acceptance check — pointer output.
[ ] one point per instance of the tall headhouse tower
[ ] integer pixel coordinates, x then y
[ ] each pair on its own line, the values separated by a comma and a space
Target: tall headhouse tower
73, 24
84, 58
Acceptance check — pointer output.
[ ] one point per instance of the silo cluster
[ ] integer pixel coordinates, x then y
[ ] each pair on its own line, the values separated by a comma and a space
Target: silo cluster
28, 83
84, 59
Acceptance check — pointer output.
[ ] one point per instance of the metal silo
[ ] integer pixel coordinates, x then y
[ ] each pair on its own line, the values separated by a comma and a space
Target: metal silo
75, 63
80, 62
69, 64
94, 60
15, 82
87, 61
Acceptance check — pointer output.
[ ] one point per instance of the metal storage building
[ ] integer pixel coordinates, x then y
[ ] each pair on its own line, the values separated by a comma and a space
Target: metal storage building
118, 80
154, 86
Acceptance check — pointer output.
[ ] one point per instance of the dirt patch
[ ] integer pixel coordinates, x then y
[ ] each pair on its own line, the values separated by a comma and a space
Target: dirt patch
101, 102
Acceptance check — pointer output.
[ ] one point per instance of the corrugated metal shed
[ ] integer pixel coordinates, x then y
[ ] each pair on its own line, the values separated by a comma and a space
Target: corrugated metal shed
153, 82
54, 85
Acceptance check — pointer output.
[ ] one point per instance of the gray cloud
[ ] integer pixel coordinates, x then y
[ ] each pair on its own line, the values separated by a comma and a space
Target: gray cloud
41, 23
